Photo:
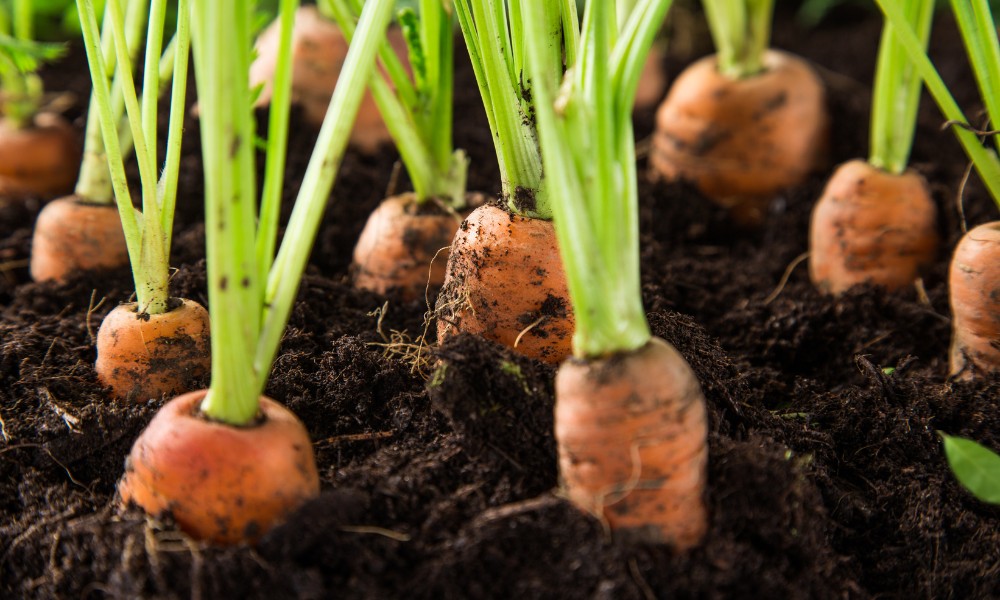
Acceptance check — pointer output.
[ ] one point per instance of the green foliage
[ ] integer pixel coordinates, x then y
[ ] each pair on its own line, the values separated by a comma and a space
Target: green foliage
27, 56
975, 466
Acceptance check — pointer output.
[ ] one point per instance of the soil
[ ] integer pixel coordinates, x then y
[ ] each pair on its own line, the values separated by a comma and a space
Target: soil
827, 478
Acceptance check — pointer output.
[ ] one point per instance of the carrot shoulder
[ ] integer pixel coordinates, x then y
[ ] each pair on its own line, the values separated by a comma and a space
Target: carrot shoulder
742, 141
505, 282
221, 483
871, 226
632, 432
142, 356
72, 235
974, 288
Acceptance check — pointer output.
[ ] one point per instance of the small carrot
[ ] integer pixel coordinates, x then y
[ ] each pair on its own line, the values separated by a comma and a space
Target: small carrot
404, 245
318, 52
871, 226
876, 221
630, 417
973, 284
505, 283
745, 124
220, 483
40, 160
142, 356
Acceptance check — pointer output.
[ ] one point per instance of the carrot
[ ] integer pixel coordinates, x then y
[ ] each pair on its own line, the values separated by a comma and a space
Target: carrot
72, 235
871, 226
741, 142
220, 483
318, 52
38, 161
142, 356
505, 283
973, 281
632, 431
405, 246
630, 418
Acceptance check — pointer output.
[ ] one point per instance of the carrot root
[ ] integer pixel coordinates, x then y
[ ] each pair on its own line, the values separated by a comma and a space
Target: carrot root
404, 247
871, 226
742, 142
40, 161
142, 356
632, 435
505, 282
72, 236
974, 288
220, 483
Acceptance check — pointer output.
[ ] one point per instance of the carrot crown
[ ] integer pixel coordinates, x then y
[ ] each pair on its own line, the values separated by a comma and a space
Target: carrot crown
148, 235
495, 38
418, 110
587, 143
897, 92
251, 291
20, 58
741, 30
980, 36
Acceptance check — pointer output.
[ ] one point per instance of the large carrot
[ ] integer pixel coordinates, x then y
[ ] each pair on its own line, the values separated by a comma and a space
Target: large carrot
631, 421
876, 221
745, 124
318, 51
536, 320
227, 462
404, 245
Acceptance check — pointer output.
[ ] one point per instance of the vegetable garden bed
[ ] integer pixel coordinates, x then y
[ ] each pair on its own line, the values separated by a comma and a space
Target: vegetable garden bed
826, 474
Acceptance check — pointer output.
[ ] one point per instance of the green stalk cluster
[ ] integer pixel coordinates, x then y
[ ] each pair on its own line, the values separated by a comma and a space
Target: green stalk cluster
896, 95
980, 36
417, 111
20, 58
147, 234
251, 291
588, 146
741, 30
495, 38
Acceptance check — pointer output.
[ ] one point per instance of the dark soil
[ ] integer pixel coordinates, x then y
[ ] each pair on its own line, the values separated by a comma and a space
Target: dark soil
827, 478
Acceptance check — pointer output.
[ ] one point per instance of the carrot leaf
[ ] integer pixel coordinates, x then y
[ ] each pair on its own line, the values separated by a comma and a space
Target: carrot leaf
975, 466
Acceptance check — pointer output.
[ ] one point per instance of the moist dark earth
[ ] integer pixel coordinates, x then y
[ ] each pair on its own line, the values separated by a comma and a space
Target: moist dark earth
826, 479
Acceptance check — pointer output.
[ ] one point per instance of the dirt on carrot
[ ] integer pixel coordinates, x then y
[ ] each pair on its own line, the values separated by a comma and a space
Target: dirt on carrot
505, 281
742, 142
142, 356
871, 226
974, 289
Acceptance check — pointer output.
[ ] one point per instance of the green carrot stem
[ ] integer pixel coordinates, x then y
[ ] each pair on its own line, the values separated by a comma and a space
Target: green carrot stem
741, 30
984, 160
896, 96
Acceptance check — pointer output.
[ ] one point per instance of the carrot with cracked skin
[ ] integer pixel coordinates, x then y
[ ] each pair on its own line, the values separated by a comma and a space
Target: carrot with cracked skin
876, 222
744, 124
228, 463
404, 245
536, 320
158, 345
39, 151
630, 418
